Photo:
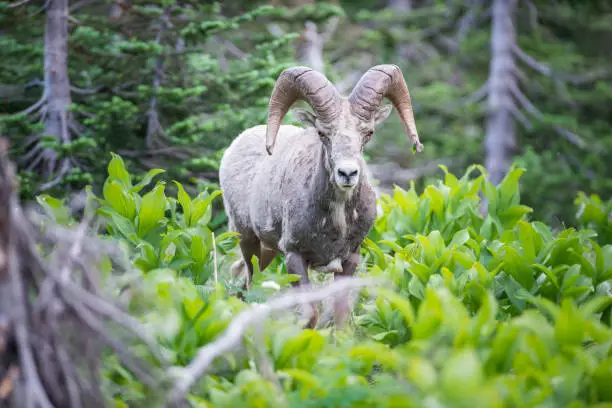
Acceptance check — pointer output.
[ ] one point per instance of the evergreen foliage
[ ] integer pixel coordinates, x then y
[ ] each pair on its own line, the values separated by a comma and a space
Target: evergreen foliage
170, 83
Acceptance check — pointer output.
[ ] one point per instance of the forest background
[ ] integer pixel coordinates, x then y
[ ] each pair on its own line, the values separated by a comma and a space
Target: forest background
169, 84
493, 245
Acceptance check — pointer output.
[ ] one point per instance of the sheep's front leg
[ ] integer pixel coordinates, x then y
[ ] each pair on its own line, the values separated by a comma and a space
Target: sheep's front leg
296, 264
342, 307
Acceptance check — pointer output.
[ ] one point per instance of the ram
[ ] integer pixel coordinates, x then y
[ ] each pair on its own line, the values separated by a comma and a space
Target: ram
303, 192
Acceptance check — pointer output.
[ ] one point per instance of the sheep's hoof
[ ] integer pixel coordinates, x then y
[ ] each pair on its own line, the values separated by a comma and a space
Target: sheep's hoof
241, 294
314, 319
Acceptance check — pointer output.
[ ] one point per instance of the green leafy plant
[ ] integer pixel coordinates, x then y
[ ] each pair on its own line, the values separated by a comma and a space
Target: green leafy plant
487, 308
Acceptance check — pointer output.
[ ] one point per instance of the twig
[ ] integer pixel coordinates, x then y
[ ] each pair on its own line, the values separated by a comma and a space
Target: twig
526, 103
64, 169
38, 104
234, 50
275, 30
472, 98
216, 272
520, 116
82, 91
532, 62
230, 338
573, 79
20, 3
467, 21
330, 28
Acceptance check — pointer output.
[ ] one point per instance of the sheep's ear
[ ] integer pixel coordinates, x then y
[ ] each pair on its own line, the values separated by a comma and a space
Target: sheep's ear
382, 113
305, 117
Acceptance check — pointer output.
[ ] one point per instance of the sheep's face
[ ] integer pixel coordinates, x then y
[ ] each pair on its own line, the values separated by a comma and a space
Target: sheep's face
344, 141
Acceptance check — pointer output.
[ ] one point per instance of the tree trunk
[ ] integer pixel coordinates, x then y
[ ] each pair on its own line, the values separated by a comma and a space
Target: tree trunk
57, 84
310, 48
500, 128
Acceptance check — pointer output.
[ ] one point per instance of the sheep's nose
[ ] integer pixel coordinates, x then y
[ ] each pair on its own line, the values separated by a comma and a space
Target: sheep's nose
347, 173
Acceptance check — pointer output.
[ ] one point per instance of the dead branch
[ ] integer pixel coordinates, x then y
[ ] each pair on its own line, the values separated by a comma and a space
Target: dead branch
275, 29
468, 21
544, 69
535, 112
19, 3
36, 106
231, 337
90, 91
60, 328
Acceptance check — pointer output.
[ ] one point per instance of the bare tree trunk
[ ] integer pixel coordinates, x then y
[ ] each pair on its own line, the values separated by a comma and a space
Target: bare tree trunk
309, 49
57, 84
500, 128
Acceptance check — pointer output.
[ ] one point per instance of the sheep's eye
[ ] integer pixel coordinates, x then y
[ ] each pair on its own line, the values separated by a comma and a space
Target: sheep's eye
368, 135
321, 134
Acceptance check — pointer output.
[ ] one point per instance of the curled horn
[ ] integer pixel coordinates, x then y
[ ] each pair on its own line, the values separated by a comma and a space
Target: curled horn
378, 82
305, 84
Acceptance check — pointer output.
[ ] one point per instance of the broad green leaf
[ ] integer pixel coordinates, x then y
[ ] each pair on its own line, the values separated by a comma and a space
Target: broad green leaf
491, 195
509, 188
462, 374
54, 208
398, 302
122, 202
117, 171
436, 199
570, 325
185, 201
152, 209
200, 208
460, 238
146, 180
308, 382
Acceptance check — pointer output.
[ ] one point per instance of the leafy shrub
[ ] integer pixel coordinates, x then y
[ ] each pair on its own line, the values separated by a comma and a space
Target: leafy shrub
595, 214
491, 310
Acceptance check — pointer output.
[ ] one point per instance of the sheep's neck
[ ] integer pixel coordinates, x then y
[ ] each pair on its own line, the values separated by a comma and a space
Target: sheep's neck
333, 205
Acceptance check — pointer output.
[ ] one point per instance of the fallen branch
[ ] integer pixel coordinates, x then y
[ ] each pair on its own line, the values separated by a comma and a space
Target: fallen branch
231, 337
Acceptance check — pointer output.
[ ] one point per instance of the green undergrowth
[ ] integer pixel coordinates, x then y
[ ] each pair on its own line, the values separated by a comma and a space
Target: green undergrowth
477, 311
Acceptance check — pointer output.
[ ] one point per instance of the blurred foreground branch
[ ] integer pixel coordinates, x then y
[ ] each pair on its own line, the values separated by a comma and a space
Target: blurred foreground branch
54, 324
252, 316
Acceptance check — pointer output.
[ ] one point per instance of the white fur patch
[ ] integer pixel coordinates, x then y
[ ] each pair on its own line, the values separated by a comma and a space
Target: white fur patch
355, 215
339, 217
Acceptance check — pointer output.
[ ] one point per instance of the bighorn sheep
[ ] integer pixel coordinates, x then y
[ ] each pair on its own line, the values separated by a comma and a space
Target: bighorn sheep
306, 194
